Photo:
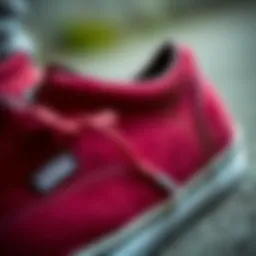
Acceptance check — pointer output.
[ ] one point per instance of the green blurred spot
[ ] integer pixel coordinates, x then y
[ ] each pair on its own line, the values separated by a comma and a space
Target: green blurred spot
88, 35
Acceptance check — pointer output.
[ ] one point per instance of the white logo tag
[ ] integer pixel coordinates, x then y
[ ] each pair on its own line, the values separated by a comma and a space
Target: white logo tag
54, 173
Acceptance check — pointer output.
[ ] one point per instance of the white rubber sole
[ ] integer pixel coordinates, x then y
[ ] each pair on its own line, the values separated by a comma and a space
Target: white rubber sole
146, 235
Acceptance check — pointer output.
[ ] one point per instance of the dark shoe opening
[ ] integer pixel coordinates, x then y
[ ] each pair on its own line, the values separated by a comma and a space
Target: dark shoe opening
161, 62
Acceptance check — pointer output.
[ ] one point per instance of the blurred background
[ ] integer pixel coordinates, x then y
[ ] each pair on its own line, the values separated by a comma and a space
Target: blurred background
113, 38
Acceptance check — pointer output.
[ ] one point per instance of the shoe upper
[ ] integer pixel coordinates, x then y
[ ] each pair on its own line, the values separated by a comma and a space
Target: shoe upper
88, 156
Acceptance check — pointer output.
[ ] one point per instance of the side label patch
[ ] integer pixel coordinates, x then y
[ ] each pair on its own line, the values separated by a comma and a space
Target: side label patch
54, 173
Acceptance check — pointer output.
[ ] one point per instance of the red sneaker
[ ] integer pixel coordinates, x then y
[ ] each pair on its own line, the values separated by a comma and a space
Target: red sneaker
114, 169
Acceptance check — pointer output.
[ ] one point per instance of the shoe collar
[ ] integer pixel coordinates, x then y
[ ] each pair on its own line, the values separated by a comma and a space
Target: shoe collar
70, 92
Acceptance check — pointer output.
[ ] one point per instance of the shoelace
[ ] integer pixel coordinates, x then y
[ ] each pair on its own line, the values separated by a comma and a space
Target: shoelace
103, 123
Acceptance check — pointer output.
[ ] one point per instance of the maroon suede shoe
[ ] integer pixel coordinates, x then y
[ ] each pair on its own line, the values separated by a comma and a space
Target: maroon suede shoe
101, 168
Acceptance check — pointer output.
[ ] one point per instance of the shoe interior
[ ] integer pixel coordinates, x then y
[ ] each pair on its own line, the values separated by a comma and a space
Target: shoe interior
161, 62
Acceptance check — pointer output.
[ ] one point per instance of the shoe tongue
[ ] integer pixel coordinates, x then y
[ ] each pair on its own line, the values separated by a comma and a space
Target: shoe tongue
18, 76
